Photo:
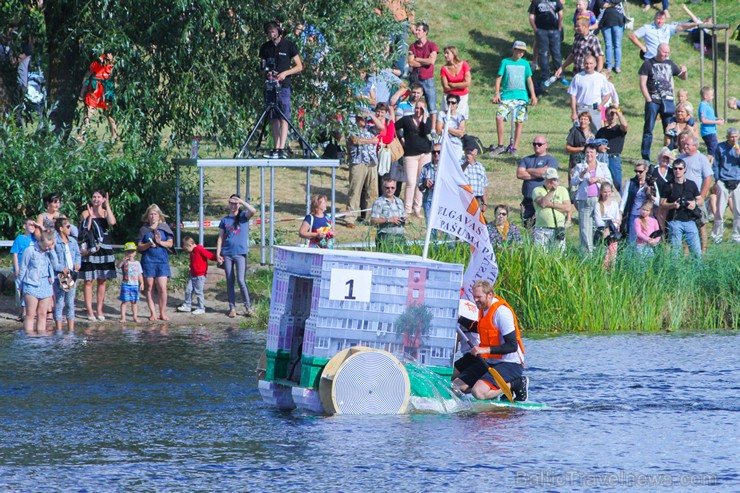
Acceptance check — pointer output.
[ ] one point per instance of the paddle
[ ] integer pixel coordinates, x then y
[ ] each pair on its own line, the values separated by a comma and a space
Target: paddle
496, 375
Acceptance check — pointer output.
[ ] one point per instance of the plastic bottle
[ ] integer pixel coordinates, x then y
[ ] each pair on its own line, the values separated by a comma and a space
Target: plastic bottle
194, 148
549, 81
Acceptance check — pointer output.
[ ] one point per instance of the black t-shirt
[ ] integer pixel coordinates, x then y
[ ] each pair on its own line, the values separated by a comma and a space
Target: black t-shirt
546, 13
415, 140
613, 16
687, 190
663, 184
659, 78
282, 53
615, 136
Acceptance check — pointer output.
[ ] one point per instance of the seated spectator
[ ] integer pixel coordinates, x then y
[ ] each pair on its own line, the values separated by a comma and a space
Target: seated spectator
502, 231
389, 216
318, 227
607, 220
647, 229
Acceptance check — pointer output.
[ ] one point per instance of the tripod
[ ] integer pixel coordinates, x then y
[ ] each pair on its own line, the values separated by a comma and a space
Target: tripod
272, 108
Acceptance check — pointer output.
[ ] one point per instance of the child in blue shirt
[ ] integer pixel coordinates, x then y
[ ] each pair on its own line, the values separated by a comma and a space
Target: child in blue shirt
708, 121
132, 282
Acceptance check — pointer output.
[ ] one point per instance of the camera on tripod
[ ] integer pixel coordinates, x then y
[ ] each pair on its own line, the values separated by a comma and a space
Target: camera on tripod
272, 83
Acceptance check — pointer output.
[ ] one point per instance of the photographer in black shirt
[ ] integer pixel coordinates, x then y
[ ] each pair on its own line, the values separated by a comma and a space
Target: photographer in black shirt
682, 202
280, 60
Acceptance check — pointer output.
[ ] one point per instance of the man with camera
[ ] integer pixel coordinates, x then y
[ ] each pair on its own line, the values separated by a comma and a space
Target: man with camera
389, 215
551, 204
682, 201
280, 60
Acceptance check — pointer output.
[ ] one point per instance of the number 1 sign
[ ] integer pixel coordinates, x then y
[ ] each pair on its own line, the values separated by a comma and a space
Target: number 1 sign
350, 285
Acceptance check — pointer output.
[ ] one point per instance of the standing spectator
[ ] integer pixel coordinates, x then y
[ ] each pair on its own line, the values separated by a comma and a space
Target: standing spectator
585, 43
546, 19
455, 76
403, 13
455, 122
708, 121
648, 6
638, 192
36, 277
427, 178
363, 163
386, 83
20, 244
727, 175
589, 91
232, 248
588, 176
578, 135
656, 84
699, 171
607, 220
611, 23
683, 122
582, 12
199, 258
132, 282
614, 132
405, 108
514, 78
416, 153
98, 261
655, 34
280, 60
384, 127
531, 171
663, 175
681, 200
389, 216
646, 227
501, 230
155, 240
552, 204
97, 93
66, 261
475, 172
318, 226
422, 55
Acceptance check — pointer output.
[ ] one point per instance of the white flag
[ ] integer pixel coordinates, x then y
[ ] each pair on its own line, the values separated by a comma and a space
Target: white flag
455, 210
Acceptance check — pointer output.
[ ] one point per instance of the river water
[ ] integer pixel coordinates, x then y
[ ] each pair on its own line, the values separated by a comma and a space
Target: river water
178, 410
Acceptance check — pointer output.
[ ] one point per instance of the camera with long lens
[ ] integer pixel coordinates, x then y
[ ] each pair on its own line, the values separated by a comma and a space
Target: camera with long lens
614, 233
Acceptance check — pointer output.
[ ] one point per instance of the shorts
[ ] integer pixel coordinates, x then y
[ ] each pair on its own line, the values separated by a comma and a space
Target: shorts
517, 106
129, 293
283, 101
155, 270
711, 142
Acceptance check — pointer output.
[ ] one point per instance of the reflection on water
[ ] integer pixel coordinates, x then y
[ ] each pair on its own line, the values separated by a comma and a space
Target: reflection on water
177, 409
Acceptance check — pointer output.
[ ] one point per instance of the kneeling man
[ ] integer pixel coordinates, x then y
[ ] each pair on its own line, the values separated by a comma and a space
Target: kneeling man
500, 348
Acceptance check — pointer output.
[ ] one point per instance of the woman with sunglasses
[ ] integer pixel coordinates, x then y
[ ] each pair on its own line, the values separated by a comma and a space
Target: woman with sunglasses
638, 192
417, 148
232, 248
455, 122
663, 176
66, 261
501, 231
684, 121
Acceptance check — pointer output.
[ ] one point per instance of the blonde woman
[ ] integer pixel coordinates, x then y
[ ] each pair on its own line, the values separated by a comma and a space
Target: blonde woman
684, 121
155, 240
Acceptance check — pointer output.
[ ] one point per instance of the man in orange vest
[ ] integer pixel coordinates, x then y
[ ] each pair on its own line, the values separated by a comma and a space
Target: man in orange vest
500, 347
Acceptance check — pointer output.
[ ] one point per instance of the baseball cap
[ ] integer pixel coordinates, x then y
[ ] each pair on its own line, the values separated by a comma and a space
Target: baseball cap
551, 174
129, 246
520, 45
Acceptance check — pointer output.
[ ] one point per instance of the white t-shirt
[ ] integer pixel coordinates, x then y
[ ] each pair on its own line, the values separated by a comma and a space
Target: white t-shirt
589, 88
504, 320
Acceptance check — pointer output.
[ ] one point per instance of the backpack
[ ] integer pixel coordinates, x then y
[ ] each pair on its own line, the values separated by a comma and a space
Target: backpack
36, 91
472, 139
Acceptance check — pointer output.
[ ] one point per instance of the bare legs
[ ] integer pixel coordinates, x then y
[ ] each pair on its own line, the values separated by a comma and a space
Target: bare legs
100, 292
160, 283
36, 314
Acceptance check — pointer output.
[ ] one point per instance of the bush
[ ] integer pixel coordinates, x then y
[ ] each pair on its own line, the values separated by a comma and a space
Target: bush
135, 175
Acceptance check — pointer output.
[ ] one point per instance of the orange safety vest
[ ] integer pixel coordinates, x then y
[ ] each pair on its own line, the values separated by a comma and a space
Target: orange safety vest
489, 333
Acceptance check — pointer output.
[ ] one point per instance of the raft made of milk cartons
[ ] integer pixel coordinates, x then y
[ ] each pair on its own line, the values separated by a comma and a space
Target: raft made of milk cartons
361, 333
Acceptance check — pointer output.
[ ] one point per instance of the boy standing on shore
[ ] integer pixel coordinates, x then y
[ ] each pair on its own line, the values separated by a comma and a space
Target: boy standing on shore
132, 283
199, 258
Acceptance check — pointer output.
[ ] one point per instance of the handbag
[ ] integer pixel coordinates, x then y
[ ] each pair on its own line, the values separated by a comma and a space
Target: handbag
397, 172
384, 160
629, 22
396, 149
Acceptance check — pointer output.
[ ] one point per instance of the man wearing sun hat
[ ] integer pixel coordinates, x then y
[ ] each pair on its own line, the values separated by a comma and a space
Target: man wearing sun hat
514, 78
551, 204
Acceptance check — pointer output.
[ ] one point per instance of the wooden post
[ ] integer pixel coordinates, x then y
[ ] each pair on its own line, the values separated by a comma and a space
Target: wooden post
727, 71
701, 57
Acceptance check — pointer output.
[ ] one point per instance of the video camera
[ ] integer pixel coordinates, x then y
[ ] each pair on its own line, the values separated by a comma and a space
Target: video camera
272, 83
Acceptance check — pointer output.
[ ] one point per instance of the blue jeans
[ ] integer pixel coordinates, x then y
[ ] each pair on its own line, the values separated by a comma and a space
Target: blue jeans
613, 41
632, 230
615, 168
680, 230
195, 285
651, 113
430, 94
665, 3
548, 43
236, 271
65, 304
